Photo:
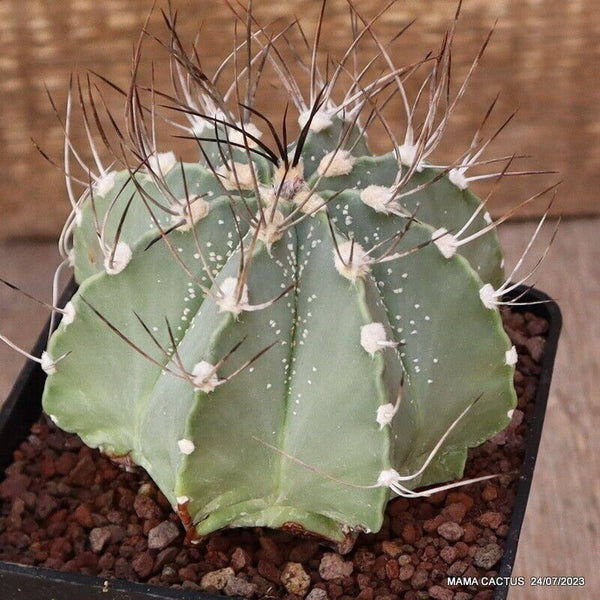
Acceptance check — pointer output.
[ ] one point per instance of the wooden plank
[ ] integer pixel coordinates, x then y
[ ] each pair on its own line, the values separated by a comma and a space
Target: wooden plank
544, 58
562, 525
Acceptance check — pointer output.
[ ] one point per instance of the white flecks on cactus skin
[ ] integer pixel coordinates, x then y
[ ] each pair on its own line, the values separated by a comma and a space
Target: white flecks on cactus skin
373, 338
445, 241
54, 419
186, 446
68, 313
160, 163
48, 363
236, 176
351, 261
321, 120
105, 183
204, 376
189, 214
458, 178
487, 293
115, 262
336, 163
227, 297
181, 500
385, 414
379, 198
511, 356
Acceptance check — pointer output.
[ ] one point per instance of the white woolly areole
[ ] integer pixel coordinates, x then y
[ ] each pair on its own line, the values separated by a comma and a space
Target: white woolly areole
270, 229
457, 177
487, 293
122, 257
358, 267
104, 183
204, 376
68, 313
510, 413
511, 356
378, 197
237, 137
320, 121
227, 299
198, 207
336, 163
313, 205
236, 176
408, 155
388, 477
186, 446
447, 244
182, 499
161, 162
372, 336
487, 217
48, 364
385, 414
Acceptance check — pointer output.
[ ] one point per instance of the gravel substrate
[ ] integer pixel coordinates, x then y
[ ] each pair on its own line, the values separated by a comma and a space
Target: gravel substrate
66, 507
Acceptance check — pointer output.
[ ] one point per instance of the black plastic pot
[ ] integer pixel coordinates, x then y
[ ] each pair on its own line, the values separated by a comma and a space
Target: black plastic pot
23, 407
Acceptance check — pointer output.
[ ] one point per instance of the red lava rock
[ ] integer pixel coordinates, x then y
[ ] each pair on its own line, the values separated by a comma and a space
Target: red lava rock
143, 564
535, 347
488, 556
236, 586
304, 551
406, 572
146, 508
83, 515
14, 485
295, 579
333, 566
391, 548
269, 571
162, 535
471, 533
449, 554
461, 497
271, 550
99, 537
489, 493
438, 592
455, 512
490, 519
410, 533
458, 568
240, 559
419, 579
84, 472
451, 531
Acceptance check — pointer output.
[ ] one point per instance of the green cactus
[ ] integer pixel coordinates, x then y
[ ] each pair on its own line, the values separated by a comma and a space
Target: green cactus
289, 337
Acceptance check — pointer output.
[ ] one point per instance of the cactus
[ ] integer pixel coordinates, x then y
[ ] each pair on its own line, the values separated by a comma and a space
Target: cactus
283, 337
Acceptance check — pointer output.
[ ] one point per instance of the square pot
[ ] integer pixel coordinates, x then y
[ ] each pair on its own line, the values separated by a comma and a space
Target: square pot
23, 407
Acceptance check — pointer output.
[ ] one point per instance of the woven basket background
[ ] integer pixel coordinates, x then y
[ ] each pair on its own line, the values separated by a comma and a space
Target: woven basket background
544, 58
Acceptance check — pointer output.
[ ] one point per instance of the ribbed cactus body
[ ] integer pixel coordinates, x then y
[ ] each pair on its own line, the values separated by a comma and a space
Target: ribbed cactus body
298, 437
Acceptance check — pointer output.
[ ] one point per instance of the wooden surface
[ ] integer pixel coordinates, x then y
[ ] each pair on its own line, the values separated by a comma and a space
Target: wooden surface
561, 535
544, 58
